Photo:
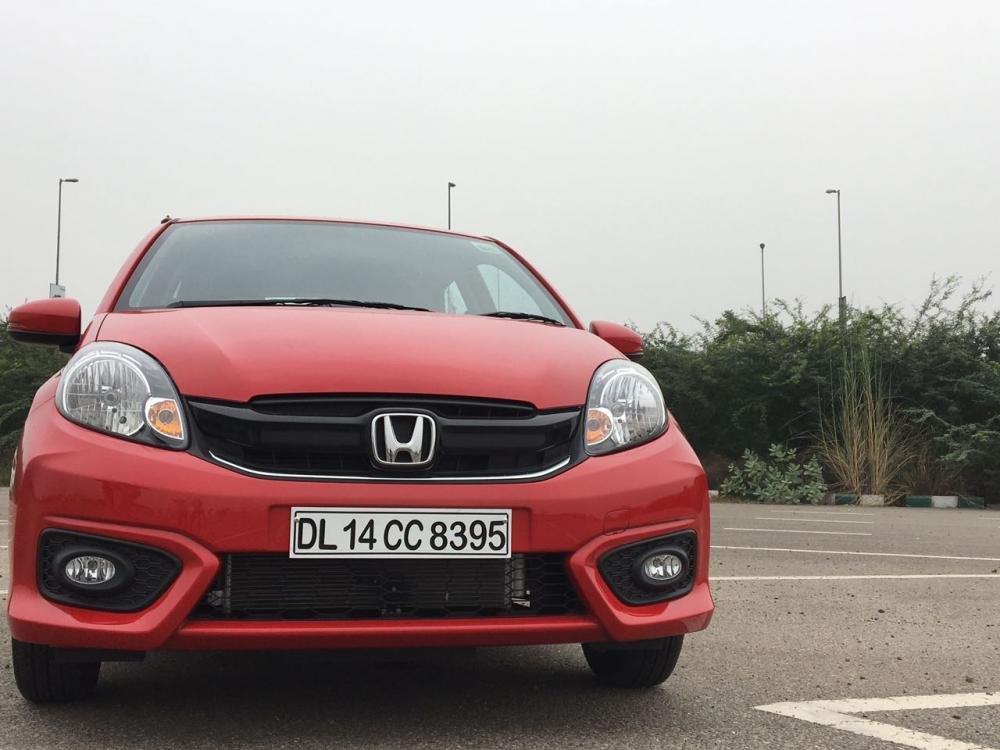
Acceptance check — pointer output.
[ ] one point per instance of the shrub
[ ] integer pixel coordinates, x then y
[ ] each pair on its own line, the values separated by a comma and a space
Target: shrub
778, 479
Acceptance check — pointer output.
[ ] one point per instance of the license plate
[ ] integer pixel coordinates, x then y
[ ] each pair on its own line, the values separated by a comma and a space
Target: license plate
399, 532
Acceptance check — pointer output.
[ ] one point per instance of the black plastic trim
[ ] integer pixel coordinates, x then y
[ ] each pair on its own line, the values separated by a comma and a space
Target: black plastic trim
66, 342
108, 600
350, 415
272, 586
617, 569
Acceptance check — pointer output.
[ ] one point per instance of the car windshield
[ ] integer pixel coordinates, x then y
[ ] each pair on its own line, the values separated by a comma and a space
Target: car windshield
276, 262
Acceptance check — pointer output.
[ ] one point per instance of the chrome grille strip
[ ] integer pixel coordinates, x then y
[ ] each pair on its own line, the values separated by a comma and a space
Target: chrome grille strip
352, 478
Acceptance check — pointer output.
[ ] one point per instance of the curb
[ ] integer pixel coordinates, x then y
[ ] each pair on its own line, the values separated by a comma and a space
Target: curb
951, 502
945, 501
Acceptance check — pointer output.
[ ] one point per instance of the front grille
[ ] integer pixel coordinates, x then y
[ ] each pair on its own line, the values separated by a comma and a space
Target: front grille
269, 586
617, 569
153, 571
331, 436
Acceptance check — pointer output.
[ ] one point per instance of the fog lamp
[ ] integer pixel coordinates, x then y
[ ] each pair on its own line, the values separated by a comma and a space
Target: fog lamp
661, 567
89, 570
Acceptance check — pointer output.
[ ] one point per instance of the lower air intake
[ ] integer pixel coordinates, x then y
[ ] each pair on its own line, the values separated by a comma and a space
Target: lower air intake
276, 587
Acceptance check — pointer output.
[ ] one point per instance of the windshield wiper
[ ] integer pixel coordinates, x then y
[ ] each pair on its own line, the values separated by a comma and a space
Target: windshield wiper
292, 301
523, 316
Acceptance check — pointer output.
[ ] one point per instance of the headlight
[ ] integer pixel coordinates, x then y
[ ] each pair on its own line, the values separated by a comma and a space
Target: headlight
117, 389
624, 408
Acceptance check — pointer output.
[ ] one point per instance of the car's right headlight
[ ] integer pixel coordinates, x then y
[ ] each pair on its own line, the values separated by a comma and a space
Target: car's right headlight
624, 408
122, 391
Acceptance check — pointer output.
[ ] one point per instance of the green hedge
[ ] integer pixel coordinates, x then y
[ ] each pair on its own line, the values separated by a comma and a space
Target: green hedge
23, 369
747, 382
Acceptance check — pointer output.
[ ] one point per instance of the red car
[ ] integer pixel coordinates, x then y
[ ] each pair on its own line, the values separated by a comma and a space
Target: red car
313, 434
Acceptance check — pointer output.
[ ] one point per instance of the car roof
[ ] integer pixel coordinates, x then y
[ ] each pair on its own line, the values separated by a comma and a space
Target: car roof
329, 220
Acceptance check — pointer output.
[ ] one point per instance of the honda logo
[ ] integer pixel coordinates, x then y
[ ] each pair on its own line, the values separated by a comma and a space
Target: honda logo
403, 440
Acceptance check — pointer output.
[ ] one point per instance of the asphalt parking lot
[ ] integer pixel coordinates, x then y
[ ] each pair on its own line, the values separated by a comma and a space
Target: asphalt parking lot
835, 627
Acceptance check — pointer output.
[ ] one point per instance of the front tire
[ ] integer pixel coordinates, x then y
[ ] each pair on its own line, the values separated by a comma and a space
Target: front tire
643, 664
42, 678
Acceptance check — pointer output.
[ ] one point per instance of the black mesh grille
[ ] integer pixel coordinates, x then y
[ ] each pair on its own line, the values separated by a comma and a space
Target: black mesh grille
276, 587
154, 570
331, 436
358, 406
617, 569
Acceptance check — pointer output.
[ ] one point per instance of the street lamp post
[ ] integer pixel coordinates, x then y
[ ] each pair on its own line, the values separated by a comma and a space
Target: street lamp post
763, 298
841, 299
450, 186
59, 222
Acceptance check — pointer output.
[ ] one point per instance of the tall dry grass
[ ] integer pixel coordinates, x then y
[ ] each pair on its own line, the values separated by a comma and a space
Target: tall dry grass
929, 475
863, 442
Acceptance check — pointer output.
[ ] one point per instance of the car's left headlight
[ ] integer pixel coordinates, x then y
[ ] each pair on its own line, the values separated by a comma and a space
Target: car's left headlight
122, 391
624, 408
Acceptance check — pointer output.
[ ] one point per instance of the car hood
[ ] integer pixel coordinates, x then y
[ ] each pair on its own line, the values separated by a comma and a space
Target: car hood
237, 353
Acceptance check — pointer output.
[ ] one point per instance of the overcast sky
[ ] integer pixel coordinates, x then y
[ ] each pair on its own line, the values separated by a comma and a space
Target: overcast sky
637, 152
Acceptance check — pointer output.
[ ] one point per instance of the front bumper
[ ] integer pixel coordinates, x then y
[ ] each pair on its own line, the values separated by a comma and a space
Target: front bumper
71, 478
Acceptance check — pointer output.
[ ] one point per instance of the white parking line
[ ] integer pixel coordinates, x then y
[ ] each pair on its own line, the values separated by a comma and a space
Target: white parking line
801, 531
860, 554
807, 520
995, 576
839, 714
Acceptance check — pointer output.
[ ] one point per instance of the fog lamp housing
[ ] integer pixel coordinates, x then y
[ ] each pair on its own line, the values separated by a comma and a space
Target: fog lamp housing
91, 570
660, 567
635, 583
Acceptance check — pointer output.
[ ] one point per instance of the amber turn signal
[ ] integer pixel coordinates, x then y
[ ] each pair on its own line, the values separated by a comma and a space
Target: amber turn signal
599, 425
163, 415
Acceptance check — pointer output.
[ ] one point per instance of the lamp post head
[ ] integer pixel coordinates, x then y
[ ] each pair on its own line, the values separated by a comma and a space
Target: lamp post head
451, 185
831, 191
761, 245
68, 179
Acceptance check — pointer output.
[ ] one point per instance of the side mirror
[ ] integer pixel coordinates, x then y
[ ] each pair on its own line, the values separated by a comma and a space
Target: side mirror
625, 340
54, 321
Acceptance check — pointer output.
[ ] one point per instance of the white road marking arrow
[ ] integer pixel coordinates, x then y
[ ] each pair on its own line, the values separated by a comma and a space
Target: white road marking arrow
841, 714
